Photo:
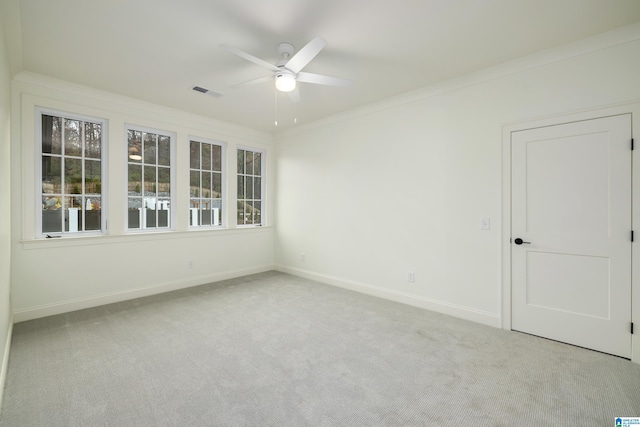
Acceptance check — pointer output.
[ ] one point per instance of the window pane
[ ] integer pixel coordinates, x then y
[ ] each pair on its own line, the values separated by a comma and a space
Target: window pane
257, 212
195, 155
51, 214
206, 213
206, 185
93, 138
134, 212
72, 141
257, 164
216, 216
240, 161
73, 176
72, 220
194, 212
164, 151
51, 175
240, 210
195, 184
216, 185
135, 180
134, 203
75, 202
149, 140
164, 182
216, 155
162, 213
257, 189
73, 207
206, 157
249, 162
92, 177
135, 146
51, 134
92, 203
241, 187
150, 213
249, 183
248, 213
150, 181
92, 214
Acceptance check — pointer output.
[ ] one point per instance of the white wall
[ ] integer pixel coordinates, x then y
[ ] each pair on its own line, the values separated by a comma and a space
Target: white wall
403, 185
57, 275
5, 210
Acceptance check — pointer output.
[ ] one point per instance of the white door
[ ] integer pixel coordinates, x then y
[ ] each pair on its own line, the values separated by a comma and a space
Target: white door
571, 233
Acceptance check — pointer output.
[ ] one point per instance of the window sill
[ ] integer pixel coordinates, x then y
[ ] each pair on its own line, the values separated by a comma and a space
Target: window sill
106, 239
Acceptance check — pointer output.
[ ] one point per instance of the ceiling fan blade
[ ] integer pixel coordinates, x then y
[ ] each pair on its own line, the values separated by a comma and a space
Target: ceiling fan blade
294, 95
305, 55
249, 57
251, 82
322, 80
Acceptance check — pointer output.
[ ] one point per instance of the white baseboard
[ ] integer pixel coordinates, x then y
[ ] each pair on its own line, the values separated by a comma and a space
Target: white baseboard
467, 313
5, 361
37, 312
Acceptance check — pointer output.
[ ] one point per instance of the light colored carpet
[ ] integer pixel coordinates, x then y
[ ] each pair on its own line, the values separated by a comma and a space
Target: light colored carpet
276, 350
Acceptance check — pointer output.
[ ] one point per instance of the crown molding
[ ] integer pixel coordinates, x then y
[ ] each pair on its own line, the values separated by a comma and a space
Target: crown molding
580, 47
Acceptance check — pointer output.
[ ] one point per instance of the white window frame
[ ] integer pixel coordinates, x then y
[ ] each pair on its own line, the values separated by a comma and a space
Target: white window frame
172, 176
104, 123
223, 174
263, 186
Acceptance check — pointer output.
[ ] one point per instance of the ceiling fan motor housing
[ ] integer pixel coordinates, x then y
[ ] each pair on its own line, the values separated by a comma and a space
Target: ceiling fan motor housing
286, 50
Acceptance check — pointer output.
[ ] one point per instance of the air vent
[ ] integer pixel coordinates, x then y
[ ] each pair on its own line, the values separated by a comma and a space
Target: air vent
207, 91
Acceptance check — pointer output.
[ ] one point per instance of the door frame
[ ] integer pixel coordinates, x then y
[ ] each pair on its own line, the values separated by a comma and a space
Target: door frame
507, 130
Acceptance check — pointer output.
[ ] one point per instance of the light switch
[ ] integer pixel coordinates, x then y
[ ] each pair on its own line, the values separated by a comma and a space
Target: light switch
485, 224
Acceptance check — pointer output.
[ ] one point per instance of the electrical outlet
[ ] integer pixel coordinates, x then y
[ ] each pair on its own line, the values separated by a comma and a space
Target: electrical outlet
190, 264
302, 256
411, 277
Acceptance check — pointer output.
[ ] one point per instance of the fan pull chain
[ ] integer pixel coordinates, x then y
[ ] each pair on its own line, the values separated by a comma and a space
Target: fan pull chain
275, 97
275, 100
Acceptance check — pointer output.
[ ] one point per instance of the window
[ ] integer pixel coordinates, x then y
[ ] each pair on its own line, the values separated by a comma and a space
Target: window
149, 159
250, 187
71, 175
205, 192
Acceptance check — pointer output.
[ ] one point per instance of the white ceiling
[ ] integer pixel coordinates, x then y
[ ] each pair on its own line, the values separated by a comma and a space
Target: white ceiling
156, 50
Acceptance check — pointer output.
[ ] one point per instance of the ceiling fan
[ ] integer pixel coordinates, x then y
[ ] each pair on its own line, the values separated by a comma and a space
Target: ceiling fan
288, 70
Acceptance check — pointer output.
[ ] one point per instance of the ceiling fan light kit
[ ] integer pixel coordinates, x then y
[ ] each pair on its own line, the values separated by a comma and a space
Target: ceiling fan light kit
285, 81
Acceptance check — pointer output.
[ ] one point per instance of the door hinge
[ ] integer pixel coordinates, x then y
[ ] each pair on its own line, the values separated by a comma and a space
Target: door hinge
631, 328
632, 236
632, 145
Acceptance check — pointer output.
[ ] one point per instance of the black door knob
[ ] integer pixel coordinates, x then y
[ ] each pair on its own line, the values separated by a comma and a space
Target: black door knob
519, 241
